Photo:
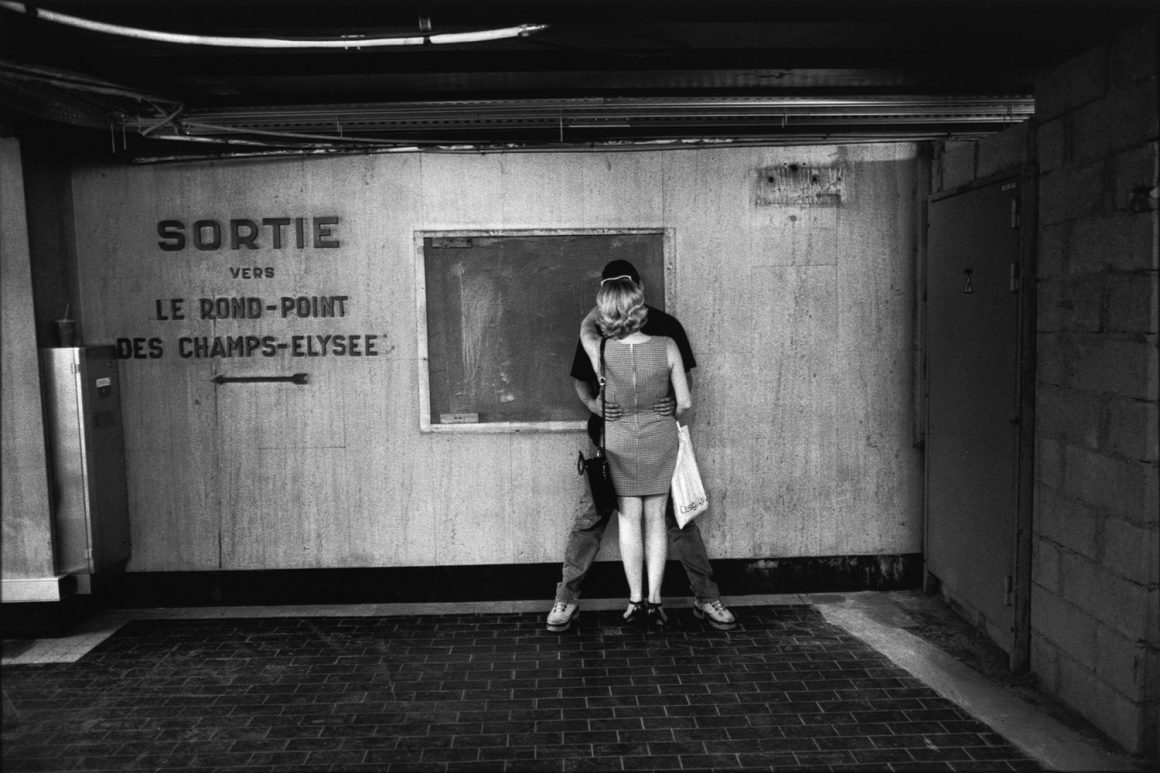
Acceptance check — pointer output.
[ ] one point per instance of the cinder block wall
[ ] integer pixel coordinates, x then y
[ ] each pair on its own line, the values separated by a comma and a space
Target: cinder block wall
1094, 602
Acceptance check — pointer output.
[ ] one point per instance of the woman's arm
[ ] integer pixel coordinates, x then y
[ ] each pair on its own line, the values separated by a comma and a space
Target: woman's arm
679, 381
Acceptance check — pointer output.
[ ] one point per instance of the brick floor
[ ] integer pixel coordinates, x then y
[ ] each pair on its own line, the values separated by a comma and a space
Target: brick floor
486, 692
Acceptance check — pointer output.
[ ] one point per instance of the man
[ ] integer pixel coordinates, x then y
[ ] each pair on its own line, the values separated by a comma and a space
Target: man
686, 545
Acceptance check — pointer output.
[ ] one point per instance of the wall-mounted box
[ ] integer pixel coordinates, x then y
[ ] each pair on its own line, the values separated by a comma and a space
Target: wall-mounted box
87, 461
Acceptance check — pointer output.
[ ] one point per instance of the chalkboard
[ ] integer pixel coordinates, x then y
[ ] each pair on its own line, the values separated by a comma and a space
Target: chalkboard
499, 314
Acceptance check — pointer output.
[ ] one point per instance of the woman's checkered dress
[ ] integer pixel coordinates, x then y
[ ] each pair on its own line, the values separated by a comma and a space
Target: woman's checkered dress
641, 446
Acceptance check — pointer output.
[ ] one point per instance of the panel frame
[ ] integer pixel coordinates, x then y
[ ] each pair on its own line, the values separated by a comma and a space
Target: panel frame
426, 426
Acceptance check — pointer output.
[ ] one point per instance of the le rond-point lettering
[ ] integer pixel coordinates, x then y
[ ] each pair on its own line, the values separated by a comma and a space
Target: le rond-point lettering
247, 307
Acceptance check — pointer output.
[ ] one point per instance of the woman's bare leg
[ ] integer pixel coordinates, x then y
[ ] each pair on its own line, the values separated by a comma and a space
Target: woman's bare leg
656, 544
631, 547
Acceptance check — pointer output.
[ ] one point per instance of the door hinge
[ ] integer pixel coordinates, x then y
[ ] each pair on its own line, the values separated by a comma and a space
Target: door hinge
1013, 277
1008, 591
1016, 215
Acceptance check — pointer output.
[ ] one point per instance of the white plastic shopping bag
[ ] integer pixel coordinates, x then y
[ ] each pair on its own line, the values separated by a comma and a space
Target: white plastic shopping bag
689, 498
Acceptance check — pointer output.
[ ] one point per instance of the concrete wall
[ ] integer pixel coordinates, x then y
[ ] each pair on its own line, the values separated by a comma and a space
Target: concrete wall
48, 193
801, 317
27, 562
1095, 601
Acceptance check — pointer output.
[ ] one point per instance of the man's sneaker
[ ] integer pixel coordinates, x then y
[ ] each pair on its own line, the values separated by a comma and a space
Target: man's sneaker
563, 614
715, 613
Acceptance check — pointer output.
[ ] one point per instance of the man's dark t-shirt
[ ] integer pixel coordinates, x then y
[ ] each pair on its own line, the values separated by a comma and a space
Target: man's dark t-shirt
658, 324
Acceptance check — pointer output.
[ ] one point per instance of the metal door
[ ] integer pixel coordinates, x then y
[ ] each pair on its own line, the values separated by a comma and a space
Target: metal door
972, 449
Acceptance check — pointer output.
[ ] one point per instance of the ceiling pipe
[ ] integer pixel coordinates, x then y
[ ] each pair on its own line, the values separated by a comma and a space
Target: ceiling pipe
344, 42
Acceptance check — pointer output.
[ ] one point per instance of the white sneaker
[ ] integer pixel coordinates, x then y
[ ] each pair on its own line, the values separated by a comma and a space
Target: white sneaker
715, 613
563, 614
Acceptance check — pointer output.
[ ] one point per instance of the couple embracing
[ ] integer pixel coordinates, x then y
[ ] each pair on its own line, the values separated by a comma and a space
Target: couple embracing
645, 357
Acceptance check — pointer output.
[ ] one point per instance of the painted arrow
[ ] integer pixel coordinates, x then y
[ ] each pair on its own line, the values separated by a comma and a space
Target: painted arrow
297, 378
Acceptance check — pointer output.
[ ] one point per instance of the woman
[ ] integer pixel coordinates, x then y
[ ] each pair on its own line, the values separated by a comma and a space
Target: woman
641, 445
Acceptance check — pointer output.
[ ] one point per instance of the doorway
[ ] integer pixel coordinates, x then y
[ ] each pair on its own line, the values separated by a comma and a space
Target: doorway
977, 463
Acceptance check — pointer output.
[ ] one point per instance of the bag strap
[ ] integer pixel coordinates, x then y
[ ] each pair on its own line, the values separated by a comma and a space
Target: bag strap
603, 421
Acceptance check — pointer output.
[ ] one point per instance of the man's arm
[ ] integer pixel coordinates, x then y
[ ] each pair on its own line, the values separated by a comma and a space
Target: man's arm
587, 391
587, 395
590, 396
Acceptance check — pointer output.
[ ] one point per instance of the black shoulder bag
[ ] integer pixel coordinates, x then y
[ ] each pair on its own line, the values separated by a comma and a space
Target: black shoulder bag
596, 468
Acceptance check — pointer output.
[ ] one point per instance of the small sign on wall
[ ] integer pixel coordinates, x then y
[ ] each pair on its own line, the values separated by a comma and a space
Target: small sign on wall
800, 185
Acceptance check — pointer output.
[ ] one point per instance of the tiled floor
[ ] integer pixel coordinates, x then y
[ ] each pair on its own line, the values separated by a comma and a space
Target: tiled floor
489, 691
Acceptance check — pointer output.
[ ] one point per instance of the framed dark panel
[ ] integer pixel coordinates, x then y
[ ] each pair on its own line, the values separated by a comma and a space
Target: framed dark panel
499, 313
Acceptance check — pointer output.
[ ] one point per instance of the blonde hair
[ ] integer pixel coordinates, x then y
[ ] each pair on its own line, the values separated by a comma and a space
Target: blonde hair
620, 303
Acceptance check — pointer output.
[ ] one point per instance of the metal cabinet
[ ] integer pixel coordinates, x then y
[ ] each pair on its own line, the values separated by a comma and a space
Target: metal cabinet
87, 461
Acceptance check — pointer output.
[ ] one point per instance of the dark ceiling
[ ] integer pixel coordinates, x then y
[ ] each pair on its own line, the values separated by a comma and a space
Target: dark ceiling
598, 73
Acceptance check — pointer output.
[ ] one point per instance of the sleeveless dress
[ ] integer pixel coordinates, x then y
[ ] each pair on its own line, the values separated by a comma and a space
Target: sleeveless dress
641, 446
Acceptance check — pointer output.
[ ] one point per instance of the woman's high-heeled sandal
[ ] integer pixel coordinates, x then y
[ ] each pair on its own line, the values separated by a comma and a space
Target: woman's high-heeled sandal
636, 612
656, 617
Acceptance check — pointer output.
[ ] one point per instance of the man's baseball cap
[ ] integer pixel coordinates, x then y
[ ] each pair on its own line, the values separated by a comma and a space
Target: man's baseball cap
620, 268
